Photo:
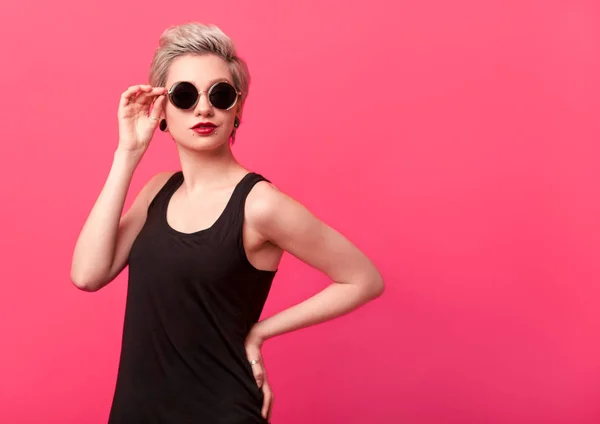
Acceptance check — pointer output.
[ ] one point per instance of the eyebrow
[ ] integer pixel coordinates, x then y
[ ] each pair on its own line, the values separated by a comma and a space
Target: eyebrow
214, 81
210, 83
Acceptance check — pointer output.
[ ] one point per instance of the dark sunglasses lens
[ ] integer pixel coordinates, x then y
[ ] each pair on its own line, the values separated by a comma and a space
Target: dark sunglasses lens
184, 95
222, 95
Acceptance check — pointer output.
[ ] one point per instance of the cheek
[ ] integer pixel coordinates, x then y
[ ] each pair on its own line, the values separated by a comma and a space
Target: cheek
228, 117
175, 118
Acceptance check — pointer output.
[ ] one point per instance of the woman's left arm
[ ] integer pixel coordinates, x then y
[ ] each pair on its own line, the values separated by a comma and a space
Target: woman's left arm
283, 221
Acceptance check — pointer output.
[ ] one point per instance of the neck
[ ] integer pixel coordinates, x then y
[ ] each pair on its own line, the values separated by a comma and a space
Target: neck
208, 169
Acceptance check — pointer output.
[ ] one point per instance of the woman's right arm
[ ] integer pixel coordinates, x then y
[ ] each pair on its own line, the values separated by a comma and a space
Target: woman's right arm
106, 238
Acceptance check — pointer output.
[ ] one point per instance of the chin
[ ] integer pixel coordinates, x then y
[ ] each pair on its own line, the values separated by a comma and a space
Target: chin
199, 143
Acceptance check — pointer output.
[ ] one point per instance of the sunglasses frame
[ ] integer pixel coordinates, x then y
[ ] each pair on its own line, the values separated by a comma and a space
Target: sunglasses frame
207, 92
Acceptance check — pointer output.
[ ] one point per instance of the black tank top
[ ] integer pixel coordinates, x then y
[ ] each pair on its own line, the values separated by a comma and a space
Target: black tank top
191, 300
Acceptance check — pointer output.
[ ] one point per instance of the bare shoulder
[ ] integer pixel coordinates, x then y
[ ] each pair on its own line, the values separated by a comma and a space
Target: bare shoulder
276, 215
263, 203
288, 224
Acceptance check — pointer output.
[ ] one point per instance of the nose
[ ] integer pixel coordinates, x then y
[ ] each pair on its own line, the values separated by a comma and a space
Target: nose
203, 108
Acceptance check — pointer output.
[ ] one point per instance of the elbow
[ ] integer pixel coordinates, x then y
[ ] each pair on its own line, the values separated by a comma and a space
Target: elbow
83, 285
377, 287
83, 282
373, 287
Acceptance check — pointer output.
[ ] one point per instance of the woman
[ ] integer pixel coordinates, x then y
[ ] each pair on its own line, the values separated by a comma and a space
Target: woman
203, 245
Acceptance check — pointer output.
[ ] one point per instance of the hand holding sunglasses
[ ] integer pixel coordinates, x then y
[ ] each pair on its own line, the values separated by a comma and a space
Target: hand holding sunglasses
139, 111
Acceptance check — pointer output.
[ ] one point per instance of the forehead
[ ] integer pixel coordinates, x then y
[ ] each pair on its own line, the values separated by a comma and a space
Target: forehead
202, 70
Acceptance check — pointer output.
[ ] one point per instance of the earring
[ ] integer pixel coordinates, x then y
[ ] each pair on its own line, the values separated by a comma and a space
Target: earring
163, 125
236, 122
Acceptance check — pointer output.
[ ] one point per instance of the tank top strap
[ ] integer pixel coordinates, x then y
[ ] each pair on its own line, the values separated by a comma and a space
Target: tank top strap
166, 190
238, 200
235, 218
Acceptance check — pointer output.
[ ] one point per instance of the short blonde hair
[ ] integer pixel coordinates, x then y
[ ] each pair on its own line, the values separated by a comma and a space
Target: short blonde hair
197, 38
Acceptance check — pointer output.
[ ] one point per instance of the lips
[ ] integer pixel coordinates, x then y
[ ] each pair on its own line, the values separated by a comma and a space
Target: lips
206, 125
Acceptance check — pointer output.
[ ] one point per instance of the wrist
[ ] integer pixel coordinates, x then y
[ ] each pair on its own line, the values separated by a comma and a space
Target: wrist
256, 336
128, 157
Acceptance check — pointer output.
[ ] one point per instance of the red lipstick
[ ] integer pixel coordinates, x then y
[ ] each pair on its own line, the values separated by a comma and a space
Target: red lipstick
204, 128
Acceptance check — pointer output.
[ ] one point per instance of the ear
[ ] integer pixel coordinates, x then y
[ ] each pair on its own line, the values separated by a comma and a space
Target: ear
239, 109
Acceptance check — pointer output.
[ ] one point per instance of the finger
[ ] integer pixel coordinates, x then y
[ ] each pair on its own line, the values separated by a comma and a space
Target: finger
132, 93
131, 89
145, 87
129, 94
147, 96
157, 107
259, 374
267, 402
270, 411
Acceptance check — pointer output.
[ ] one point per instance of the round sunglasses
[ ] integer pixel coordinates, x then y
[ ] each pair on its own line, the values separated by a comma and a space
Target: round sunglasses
184, 95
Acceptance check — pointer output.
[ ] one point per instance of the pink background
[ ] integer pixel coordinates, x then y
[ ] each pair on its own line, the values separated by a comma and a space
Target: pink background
456, 142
